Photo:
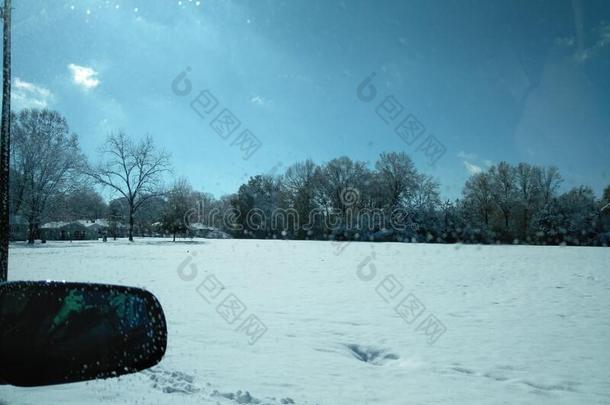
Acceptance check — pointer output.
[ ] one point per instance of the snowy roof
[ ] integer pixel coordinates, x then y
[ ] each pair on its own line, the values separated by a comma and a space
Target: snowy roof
59, 224
218, 234
200, 226
96, 223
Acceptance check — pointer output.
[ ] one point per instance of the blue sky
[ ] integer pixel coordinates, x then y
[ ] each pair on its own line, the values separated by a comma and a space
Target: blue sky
521, 81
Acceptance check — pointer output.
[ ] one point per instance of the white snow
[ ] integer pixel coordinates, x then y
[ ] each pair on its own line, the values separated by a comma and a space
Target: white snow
523, 324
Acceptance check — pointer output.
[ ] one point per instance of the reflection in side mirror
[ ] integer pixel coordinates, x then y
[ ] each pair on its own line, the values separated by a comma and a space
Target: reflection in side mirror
55, 332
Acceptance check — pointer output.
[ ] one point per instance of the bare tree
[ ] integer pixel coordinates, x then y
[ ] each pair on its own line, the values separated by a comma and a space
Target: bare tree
550, 180
504, 190
299, 178
343, 174
134, 170
81, 203
47, 161
426, 193
477, 193
398, 178
529, 190
299, 185
180, 199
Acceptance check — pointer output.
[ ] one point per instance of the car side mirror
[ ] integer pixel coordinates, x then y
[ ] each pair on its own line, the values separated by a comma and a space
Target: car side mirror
60, 332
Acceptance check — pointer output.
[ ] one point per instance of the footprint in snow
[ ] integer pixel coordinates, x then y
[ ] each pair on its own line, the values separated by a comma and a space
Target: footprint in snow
371, 355
569, 386
172, 382
501, 376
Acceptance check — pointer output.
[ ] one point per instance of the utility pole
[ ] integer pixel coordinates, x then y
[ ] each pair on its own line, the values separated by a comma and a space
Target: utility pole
5, 140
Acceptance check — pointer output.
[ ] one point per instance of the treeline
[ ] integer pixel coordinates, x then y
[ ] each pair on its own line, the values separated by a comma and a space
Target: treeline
343, 199
346, 200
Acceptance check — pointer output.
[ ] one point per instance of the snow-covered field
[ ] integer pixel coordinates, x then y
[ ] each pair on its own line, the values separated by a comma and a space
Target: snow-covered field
523, 324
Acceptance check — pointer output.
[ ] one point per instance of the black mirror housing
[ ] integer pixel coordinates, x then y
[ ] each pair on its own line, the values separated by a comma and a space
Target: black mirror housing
61, 332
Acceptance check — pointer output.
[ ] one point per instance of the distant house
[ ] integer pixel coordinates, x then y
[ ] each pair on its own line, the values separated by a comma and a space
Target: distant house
194, 230
117, 230
157, 229
82, 229
105, 227
200, 230
217, 234
61, 230
100, 226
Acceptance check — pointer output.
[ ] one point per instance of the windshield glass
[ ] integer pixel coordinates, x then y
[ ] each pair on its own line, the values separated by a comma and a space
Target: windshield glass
335, 202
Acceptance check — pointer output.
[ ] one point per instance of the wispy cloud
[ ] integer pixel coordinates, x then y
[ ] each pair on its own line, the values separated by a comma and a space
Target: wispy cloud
260, 101
84, 76
257, 100
565, 41
583, 54
472, 168
29, 95
604, 35
466, 156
